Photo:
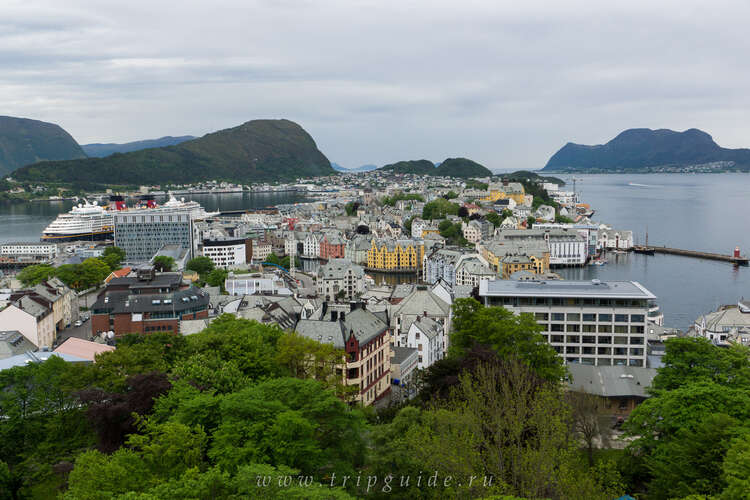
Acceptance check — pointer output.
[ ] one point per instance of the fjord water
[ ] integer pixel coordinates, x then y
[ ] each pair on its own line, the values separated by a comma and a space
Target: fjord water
26, 221
705, 212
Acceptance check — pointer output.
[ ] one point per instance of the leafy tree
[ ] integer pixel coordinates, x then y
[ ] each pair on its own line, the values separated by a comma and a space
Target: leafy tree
439, 208
561, 219
506, 213
530, 221
164, 263
391, 200
33, 275
351, 208
450, 195
217, 277
736, 468
511, 336
494, 219
68, 274
463, 212
92, 272
586, 409
113, 257
201, 265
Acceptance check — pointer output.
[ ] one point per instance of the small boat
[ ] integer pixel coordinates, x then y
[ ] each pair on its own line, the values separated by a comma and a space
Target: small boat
598, 262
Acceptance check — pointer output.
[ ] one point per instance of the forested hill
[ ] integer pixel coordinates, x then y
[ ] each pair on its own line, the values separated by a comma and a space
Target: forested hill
259, 150
451, 167
100, 150
644, 148
24, 141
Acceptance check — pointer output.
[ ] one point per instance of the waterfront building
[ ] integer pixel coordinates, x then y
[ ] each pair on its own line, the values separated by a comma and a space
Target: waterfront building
536, 250
147, 302
365, 338
311, 246
505, 189
729, 324
332, 246
441, 263
395, 255
470, 270
142, 233
612, 239
340, 276
29, 251
588, 322
566, 247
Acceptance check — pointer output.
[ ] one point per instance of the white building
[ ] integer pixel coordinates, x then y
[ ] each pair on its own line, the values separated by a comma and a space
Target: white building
32, 320
227, 253
612, 239
567, 250
588, 322
30, 250
256, 284
728, 325
340, 276
261, 250
426, 336
472, 231
311, 246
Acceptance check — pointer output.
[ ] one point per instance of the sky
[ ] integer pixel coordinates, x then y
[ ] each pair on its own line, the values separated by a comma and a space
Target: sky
503, 83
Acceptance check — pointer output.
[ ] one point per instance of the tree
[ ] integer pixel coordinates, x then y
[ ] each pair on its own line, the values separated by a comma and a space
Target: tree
163, 263
586, 409
511, 336
217, 277
450, 195
351, 208
92, 272
561, 219
736, 468
506, 213
113, 257
439, 208
201, 265
530, 221
494, 219
33, 275
463, 212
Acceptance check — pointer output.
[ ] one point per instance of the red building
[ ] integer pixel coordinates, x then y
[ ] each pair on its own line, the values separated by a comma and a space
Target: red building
332, 247
147, 302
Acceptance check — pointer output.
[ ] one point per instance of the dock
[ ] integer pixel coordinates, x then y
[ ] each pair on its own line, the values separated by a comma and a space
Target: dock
734, 259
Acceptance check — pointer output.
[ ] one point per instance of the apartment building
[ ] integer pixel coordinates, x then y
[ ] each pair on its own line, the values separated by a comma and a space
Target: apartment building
142, 235
395, 255
229, 252
340, 277
589, 322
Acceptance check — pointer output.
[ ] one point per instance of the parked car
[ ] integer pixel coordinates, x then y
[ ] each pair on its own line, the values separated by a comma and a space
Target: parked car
78, 323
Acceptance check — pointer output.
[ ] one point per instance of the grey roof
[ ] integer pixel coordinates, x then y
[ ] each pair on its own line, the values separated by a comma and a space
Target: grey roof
562, 288
160, 280
337, 269
611, 381
363, 324
123, 302
402, 290
37, 357
427, 326
12, 343
401, 354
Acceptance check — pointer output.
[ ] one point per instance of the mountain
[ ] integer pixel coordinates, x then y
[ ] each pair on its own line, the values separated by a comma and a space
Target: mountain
642, 148
418, 167
256, 151
452, 167
24, 141
99, 150
338, 168
461, 167
364, 168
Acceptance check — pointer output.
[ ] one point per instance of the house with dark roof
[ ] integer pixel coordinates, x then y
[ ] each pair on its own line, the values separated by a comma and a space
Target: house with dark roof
365, 339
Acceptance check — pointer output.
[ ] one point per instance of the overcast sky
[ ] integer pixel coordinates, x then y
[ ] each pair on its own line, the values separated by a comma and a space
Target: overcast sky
503, 83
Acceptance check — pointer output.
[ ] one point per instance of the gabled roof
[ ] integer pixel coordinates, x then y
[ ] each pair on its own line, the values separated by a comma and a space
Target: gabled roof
83, 349
611, 381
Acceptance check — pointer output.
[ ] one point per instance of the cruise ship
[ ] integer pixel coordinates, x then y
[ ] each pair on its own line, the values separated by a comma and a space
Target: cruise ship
86, 221
90, 221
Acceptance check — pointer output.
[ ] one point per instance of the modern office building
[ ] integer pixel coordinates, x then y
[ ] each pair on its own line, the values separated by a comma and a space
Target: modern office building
141, 235
228, 253
589, 322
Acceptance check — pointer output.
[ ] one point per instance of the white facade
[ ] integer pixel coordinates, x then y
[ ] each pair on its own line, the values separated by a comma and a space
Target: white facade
611, 239
595, 323
472, 232
311, 246
426, 336
40, 330
261, 251
225, 255
567, 251
47, 250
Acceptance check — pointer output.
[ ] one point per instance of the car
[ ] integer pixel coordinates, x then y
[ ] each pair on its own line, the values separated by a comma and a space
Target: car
78, 323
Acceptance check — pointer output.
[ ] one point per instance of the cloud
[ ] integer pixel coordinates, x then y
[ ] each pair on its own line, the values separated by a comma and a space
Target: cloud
505, 83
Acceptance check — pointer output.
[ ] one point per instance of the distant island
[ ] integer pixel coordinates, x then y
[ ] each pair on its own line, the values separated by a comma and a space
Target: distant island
24, 141
98, 150
256, 151
646, 150
355, 170
451, 167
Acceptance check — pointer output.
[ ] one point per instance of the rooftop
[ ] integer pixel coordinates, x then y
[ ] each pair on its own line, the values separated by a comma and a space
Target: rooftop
562, 288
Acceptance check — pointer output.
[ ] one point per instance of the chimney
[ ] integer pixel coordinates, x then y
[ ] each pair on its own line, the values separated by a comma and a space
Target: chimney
343, 315
334, 315
425, 314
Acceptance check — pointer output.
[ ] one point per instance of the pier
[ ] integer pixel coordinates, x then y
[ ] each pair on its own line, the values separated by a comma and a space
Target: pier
734, 259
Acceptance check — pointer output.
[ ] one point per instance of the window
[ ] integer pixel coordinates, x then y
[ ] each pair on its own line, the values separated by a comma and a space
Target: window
558, 317
574, 317
605, 328
605, 340
605, 318
573, 339
621, 318
556, 327
573, 328
603, 350
588, 328
637, 318
571, 349
636, 340
589, 317
621, 329
557, 339
589, 339
541, 316
636, 329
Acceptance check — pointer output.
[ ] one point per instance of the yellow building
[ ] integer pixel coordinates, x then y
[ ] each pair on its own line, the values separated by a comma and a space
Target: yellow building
395, 255
500, 191
527, 256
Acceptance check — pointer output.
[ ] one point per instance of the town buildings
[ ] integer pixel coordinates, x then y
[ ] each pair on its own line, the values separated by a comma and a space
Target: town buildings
340, 279
228, 253
142, 235
395, 255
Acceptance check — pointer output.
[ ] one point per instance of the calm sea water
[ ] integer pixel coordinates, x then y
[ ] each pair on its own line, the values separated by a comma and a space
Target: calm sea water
26, 221
695, 212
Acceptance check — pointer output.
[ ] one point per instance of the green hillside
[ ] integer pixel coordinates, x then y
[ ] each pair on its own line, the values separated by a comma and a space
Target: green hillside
418, 167
461, 167
452, 167
256, 151
24, 141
